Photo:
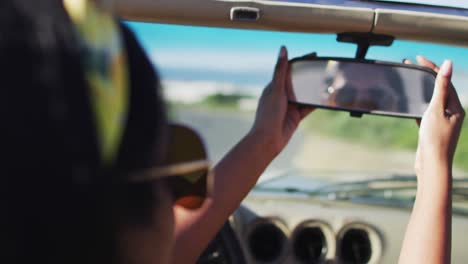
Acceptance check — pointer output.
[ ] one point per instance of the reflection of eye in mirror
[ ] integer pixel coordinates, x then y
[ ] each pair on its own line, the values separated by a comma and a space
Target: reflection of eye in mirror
378, 88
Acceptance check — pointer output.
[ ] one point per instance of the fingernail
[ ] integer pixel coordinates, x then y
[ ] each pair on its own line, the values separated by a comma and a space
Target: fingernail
282, 52
419, 58
446, 68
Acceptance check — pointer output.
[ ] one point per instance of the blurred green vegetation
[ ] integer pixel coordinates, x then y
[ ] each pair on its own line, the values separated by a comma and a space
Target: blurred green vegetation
218, 101
223, 100
378, 131
461, 156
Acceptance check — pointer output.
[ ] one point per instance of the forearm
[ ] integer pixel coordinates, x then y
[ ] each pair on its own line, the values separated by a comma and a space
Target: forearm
239, 170
234, 177
428, 235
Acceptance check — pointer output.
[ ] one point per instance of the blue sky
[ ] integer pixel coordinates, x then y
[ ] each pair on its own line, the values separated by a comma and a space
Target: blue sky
248, 56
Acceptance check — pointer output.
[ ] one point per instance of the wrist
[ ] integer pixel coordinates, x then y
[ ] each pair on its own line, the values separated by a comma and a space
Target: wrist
432, 162
434, 179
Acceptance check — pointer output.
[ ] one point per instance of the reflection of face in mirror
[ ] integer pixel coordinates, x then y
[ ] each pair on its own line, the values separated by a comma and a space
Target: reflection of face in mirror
364, 86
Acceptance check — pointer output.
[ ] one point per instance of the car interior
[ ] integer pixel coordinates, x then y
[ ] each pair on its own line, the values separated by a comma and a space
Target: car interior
300, 214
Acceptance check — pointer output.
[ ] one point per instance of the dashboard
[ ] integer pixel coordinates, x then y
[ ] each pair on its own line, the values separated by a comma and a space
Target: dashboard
299, 229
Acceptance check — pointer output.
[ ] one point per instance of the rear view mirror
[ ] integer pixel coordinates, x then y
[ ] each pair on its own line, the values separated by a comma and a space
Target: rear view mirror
362, 86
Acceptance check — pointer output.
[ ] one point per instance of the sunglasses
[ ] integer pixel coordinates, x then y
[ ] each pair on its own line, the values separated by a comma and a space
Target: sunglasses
377, 98
186, 168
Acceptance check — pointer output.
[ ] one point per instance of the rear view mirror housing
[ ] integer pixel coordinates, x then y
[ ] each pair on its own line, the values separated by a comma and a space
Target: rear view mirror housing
362, 86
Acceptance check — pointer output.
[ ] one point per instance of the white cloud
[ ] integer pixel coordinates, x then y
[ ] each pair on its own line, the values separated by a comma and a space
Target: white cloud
217, 60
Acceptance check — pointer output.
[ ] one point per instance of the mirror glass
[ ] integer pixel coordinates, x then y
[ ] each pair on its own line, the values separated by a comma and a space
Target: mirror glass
366, 87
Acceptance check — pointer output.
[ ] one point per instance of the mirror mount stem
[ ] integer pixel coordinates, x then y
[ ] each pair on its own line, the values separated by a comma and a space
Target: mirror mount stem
364, 41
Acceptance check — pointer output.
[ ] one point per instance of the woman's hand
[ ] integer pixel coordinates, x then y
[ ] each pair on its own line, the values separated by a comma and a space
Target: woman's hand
428, 235
441, 123
236, 174
276, 120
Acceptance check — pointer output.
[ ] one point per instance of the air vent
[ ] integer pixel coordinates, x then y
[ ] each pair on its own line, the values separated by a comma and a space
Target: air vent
267, 241
310, 245
359, 243
356, 246
313, 242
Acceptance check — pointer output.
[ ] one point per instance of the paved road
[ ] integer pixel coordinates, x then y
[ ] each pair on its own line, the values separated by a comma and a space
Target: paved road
222, 129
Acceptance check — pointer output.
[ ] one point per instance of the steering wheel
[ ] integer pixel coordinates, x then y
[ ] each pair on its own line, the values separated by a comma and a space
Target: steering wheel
223, 249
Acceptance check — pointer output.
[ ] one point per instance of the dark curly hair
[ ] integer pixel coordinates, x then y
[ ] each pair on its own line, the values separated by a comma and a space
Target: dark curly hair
58, 202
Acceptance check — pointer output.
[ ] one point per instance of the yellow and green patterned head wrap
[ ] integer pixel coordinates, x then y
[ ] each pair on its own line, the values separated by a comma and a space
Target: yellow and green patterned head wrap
106, 72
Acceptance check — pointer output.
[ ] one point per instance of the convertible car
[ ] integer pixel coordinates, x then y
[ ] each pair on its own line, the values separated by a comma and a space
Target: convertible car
342, 191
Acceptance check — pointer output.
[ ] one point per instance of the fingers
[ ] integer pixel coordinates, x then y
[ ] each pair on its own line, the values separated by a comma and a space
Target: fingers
443, 91
454, 107
406, 61
297, 113
418, 122
427, 63
289, 88
445, 97
312, 55
442, 86
423, 62
305, 111
279, 77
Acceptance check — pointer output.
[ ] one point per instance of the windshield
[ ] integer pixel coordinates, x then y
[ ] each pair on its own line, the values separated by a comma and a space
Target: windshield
212, 79
393, 191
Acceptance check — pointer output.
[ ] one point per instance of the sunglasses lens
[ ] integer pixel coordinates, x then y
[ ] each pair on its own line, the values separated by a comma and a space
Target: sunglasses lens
184, 146
189, 187
190, 190
345, 97
185, 168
